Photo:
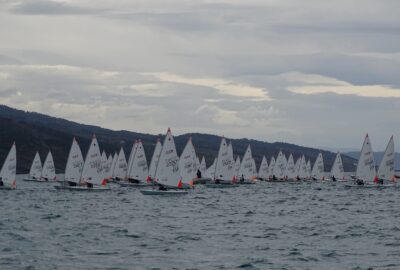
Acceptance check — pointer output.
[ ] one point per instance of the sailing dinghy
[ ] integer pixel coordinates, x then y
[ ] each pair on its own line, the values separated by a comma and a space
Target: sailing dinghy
263, 171
35, 171
49, 171
224, 169
290, 171
91, 176
120, 166
337, 171
8, 170
73, 169
203, 173
137, 175
366, 175
246, 171
187, 164
386, 167
167, 175
317, 172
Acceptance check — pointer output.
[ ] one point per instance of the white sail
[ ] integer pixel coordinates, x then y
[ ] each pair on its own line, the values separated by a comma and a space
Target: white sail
297, 167
246, 167
290, 170
121, 165
308, 166
318, 170
139, 170
223, 166
154, 159
203, 166
92, 171
197, 162
167, 172
337, 168
210, 172
263, 171
303, 168
113, 165
188, 163
386, 167
36, 168
280, 166
108, 167
49, 171
131, 157
231, 167
237, 167
73, 169
104, 163
366, 165
254, 169
8, 170
271, 167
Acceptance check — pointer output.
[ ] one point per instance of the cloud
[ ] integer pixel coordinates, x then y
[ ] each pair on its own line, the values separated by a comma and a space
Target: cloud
311, 84
225, 87
45, 7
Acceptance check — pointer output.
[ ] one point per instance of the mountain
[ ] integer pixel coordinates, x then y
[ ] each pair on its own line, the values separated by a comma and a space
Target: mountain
378, 157
38, 132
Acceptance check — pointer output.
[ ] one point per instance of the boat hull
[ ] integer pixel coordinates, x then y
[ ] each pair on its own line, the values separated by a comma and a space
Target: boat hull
77, 188
164, 192
369, 186
38, 181
201, 181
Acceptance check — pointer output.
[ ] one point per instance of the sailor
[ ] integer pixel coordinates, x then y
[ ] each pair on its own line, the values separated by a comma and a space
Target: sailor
274, 177
1, 182
333, 178
242, 178
161, 187
198, 174
359, 182
89, 185
298, 178
72, 184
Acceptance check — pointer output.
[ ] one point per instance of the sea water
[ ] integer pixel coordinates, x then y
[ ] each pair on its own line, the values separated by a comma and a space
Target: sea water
264, 226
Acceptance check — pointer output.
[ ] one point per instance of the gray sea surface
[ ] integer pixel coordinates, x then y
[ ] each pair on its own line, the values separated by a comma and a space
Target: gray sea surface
265, 226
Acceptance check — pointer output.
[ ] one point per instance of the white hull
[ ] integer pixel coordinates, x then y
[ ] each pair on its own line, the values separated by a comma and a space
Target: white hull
370, 186
77, 188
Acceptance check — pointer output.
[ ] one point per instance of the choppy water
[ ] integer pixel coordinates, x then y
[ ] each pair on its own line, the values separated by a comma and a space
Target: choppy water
264, 226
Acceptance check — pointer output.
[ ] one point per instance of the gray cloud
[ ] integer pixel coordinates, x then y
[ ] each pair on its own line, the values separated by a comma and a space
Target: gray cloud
45, 7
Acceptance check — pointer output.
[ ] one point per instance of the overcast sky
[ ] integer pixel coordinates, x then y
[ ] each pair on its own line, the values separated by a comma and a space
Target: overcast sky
315, 73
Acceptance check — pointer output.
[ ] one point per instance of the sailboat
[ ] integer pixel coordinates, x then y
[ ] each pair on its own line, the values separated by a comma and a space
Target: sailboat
35, 171
49, 171
337, 171
297, 167
91, 177
290, 170
237, 167
366, 171
73, 169
246, 171
279, 168
308, 170
8, 170
138, 169
386, 167
154, 160
224, 169
120, 166
271, 168
131, 156
205, 178
210, 172
167, 174
317, 172
303, 168
108, 167
112, 168
188, 164
263, 171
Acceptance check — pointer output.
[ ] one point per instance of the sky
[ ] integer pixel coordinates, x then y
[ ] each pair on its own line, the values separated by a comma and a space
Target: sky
314, 73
